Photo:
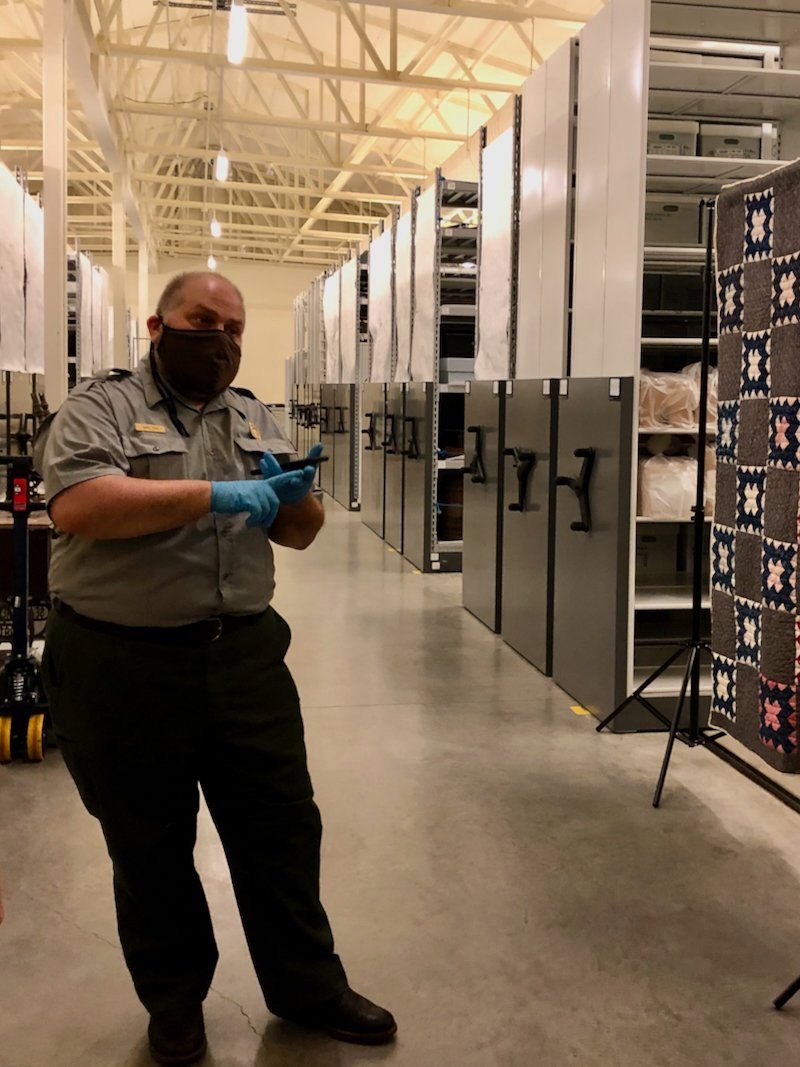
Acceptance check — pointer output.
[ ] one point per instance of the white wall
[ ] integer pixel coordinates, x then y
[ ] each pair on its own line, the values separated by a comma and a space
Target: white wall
269, 291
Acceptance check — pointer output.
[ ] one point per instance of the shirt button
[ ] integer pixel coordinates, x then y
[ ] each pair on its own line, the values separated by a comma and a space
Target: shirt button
155, 448
212, 452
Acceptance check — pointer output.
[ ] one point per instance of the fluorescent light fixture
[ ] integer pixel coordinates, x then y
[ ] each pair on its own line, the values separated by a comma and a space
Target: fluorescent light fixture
469, 266
222, 167
212, 263
216, 227
237, 32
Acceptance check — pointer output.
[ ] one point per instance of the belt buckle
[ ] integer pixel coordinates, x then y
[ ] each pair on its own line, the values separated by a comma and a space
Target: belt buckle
217, 631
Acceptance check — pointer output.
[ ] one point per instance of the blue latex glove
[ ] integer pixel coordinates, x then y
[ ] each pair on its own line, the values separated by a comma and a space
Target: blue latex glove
261, 499
291, 494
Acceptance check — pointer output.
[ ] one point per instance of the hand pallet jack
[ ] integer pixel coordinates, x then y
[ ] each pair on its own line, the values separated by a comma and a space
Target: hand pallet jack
24, 717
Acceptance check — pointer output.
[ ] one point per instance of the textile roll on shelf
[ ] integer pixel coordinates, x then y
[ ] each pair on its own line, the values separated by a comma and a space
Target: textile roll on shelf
12, 274
755, 534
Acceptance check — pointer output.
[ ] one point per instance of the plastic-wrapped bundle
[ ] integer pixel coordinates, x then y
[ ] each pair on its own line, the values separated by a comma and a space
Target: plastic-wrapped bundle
669, 400
693, 372
667, 487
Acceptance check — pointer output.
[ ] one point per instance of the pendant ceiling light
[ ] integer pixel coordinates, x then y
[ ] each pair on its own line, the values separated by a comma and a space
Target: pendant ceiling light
237, 32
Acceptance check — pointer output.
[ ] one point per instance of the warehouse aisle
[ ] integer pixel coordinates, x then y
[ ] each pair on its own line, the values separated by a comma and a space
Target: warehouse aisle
493, 869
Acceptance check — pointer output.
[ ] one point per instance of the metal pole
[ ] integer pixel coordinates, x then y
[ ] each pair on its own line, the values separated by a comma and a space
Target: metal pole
116, 355
54, 196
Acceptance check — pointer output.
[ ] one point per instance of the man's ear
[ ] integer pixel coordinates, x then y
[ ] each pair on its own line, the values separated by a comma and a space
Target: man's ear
154, 325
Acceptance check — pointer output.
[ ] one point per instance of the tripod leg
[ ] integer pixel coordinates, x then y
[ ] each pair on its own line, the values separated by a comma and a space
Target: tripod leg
787, 994
673, 730
635, 695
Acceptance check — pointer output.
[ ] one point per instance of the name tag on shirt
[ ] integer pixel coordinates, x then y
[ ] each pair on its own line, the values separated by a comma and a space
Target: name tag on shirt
255, 433
148, 427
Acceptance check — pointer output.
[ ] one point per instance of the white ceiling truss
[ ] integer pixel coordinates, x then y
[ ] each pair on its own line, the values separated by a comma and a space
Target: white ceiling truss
338, 111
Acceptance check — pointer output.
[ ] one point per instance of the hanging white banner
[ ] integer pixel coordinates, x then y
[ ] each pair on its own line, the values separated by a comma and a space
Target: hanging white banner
349, 321
34, 286
403, 292
381, 306
12, 272
331, 311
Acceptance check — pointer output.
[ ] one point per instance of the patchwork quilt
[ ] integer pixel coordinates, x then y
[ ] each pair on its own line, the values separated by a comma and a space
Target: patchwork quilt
754, 548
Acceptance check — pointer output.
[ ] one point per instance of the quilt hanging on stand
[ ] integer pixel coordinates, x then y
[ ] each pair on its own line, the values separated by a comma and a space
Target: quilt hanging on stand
754, 551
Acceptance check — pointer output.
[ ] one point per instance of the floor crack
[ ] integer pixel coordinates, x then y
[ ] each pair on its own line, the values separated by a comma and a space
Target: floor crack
70, 922
236, 1004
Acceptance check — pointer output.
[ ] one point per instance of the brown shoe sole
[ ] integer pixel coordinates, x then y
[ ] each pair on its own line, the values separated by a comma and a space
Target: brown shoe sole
380, 1037
186, 1060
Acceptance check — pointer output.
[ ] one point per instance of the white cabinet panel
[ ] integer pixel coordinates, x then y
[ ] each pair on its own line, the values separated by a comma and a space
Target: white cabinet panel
493, 356
626, 187
557, 211
424, 340
591, 196
531, 225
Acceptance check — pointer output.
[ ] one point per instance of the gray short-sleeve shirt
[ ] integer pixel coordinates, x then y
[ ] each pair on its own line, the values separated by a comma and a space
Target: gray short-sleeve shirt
121, 426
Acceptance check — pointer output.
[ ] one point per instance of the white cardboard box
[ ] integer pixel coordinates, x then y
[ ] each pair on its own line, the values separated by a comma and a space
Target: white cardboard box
670, 137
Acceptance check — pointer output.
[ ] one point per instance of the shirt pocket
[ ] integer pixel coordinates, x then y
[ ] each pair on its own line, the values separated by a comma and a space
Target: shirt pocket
251, 451
161, 460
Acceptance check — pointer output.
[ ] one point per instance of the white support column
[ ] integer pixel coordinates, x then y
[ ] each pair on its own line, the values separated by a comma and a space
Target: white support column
54, 195
119, 356
144, 310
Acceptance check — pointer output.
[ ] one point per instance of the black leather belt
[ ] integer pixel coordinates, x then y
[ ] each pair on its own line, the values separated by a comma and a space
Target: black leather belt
204, 632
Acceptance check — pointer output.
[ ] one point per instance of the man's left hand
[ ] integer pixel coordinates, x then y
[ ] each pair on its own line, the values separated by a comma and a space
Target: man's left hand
296, 490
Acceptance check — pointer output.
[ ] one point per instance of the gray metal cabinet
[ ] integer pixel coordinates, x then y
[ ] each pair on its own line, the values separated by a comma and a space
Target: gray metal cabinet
394, 442
419, 472
345, 433
484, 411
592, 566
373, 457
327, 425
531, 427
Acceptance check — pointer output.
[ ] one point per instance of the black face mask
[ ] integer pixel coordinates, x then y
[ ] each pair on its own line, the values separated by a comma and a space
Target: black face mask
198, 364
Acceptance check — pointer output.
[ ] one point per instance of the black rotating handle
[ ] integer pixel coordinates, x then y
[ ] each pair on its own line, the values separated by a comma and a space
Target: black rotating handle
476, 468
412, 452
324, 419
390, 440
370, 431
580, 487
340, 428
524, 464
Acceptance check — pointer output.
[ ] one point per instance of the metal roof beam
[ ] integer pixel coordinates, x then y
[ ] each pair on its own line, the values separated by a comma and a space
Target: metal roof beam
93, 97
240, 118
308, 70
474, 9
244, 209
273, 190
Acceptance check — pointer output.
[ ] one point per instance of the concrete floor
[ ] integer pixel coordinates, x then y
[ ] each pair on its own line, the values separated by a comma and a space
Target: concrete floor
493, 869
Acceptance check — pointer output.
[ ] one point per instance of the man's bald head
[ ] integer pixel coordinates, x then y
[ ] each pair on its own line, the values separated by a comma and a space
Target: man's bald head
199, 300
173, 291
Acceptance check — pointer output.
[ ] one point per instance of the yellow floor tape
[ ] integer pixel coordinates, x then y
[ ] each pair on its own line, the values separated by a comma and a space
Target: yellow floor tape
579, 710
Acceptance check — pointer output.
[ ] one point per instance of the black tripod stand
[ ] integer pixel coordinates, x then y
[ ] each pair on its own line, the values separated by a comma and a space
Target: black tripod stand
696, 646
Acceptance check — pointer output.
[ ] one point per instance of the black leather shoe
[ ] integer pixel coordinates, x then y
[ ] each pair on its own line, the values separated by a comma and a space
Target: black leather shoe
349, 1017
177, 1038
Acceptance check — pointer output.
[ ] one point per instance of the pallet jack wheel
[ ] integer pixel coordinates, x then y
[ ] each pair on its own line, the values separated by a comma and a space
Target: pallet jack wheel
5, 738
36, 738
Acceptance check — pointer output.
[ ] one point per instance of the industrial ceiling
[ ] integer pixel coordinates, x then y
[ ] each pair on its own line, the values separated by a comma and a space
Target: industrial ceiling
336, 112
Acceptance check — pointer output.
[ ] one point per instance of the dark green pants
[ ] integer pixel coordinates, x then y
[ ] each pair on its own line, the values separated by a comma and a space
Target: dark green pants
141, 726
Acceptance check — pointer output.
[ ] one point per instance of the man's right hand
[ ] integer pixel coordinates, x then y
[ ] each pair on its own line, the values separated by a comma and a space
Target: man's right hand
262, 499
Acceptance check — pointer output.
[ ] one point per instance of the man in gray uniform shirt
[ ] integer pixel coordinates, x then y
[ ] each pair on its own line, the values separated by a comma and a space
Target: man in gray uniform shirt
164, 668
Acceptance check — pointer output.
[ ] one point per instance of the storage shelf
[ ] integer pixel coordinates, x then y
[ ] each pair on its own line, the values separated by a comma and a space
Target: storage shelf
686, 174
464, 311
449, 546
452, 463
675, 342
669, 684
646, 431
773, 21
643, 520
702, 90
452, 387
666, 598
